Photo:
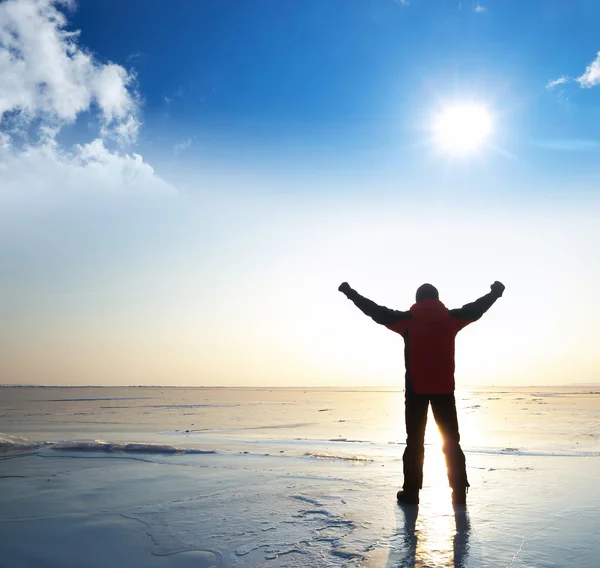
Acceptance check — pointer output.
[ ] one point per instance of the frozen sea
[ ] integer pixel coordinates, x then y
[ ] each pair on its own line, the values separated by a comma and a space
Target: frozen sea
224, 477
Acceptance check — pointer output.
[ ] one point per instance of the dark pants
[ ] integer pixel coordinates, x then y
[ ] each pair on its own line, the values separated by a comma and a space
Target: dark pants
444, 412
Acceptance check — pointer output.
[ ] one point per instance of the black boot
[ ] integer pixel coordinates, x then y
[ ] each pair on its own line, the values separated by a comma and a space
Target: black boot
408, 497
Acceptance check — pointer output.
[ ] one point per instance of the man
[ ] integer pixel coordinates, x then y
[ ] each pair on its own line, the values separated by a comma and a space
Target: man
429, 329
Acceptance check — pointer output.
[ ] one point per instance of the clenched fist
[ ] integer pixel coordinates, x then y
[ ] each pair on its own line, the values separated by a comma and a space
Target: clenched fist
344, 288
497, 288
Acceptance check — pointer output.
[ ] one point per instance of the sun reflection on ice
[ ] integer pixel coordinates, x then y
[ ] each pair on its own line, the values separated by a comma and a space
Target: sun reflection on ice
436, 539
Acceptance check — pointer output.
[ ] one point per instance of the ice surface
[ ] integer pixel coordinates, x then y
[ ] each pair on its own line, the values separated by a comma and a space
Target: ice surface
152, 496
240, 510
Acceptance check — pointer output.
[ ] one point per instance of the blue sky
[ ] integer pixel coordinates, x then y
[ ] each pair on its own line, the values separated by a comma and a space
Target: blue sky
185, 184
352, 83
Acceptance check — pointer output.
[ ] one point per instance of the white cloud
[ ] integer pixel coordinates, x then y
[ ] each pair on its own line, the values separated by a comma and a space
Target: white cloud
557, 82
47, 169
47, 74
124, 131
49, 81
479, 8
591, 77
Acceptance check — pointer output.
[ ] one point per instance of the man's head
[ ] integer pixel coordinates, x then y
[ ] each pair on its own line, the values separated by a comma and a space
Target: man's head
427, 292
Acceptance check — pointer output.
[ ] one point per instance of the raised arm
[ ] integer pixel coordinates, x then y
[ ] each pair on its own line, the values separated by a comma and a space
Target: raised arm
473, 311
379, 314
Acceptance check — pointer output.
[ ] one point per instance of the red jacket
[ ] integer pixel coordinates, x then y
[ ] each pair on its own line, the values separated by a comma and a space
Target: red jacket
428, 329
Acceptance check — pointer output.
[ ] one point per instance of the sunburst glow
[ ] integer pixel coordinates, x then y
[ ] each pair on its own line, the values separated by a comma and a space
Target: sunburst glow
462, 129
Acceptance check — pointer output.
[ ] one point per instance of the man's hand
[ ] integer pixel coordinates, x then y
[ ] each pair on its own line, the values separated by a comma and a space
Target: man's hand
344, 288
497, 288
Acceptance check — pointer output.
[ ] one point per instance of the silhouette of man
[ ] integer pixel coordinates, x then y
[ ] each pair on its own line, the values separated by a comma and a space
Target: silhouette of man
429, 329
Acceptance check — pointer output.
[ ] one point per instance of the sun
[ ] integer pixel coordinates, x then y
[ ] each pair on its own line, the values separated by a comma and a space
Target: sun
462, 129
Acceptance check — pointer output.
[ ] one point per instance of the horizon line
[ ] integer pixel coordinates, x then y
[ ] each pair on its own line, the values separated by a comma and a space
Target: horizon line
388, 387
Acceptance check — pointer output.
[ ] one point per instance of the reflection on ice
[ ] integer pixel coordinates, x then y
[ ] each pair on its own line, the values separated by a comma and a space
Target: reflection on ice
438, 540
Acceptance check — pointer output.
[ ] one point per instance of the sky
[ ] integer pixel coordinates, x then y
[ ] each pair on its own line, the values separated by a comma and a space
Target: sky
184, 185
